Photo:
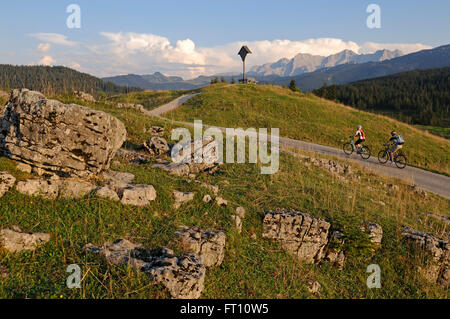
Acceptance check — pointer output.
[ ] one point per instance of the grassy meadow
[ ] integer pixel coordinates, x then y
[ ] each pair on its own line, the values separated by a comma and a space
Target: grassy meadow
253, 267
309, 118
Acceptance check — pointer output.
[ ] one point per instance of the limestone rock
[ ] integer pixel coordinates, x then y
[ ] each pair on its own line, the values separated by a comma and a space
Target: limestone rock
137, 195
138, 107
302, 235
3, 272
182, 197
334, 253
52, 188
237, 223
182, 276
107, 193
67, 140
196, 156
16, 241
207, 198
84, 96
240, 211
6, 182
209, 245
25, 168
156, 146
438, 271
314, 287
117, 180
375, 232
212, 188
156, 131
221, 202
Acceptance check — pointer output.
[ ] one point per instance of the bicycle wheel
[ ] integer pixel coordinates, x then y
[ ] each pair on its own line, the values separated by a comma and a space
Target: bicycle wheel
365, 152
400, 161
383, 156
348, 148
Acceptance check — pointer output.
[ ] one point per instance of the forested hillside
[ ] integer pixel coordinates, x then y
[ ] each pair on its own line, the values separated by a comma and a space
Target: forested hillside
415, 97
55, 80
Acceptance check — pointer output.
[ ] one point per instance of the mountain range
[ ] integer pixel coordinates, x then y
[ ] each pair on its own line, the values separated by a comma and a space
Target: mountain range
309, 71
346, 73
303, 63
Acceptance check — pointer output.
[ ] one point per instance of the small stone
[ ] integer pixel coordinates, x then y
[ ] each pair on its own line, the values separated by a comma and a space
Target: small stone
207, 198
221, 202
14, 241
3, 272
314, 287
240, 211
182, 197
6, 182
237, 222
137, 195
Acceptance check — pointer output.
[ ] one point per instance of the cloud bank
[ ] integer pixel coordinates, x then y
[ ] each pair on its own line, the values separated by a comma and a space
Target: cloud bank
141, 53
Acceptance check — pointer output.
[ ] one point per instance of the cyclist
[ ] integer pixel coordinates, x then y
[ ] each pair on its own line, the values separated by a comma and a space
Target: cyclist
361, 138
397, 143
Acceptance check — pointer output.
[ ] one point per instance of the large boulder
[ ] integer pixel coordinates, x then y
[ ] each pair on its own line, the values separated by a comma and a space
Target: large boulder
16, 240
438, 269
66, 140
302, 235
209, 245
182, 276
54, 188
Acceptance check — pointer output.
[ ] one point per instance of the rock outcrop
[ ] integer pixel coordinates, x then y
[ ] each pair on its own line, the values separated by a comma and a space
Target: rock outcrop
302, 235
64, 140
84, 96
438, 270
16, 240
6, 182
54, 188
193, 160
137, 195
209, 245
182, 276
375, 232
138, 107
156, 146
182, 197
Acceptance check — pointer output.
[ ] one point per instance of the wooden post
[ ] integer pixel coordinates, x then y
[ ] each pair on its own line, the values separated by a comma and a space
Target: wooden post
243, 74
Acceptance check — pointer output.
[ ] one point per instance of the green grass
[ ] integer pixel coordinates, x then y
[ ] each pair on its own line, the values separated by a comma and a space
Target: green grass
149, 99
309, 118
252, 268
436, 130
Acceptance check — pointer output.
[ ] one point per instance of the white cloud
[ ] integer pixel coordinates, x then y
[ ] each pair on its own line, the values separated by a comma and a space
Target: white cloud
140, 53
46, 60
44, 47
54, 38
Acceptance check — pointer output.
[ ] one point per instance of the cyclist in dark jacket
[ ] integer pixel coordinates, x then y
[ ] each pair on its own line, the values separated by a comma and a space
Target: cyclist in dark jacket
397, 143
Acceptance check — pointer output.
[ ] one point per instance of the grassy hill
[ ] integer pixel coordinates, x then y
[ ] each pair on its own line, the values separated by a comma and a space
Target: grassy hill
253, 267
309, 118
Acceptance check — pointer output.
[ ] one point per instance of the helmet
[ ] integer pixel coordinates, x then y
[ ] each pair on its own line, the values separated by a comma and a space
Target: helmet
393, 133
358, 127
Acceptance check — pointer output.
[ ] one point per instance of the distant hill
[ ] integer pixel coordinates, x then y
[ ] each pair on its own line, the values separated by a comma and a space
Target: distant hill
159, 81
347, 73
415, 97
55, 80
303, 63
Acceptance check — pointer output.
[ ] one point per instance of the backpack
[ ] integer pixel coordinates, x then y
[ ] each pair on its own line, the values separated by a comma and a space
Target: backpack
400, 140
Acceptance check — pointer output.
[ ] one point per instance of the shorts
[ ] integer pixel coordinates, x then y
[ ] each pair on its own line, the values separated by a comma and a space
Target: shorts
396, 147
359, 141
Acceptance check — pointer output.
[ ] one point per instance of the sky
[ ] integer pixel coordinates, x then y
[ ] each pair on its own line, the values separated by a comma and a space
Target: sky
190, 38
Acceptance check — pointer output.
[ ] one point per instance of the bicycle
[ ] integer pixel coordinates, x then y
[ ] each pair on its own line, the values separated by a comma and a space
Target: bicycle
350, 147
384, 155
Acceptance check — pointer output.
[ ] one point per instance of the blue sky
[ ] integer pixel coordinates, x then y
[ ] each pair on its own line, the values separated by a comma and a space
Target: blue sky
194, 37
